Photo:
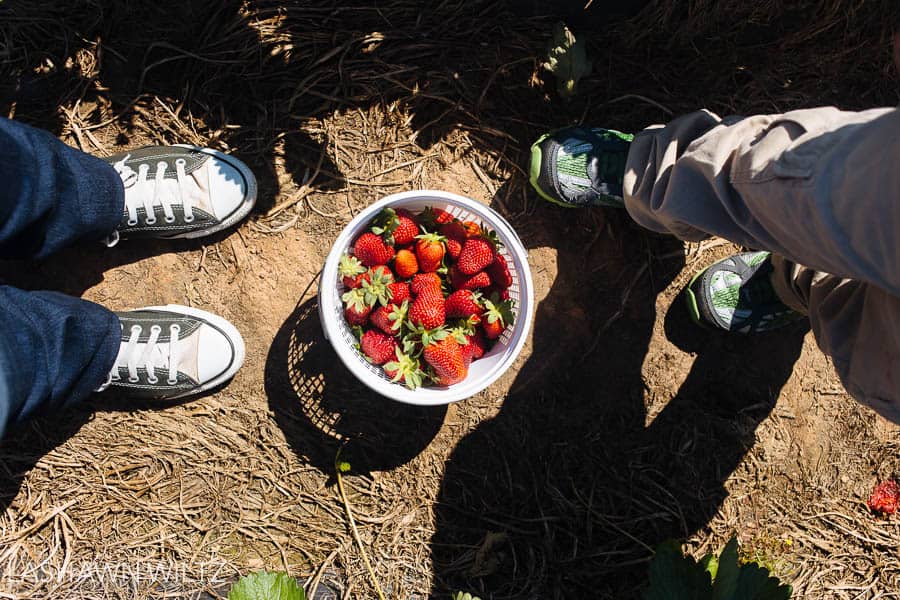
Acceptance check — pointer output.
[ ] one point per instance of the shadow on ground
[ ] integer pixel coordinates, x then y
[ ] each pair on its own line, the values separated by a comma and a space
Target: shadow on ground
565, 492
321, 407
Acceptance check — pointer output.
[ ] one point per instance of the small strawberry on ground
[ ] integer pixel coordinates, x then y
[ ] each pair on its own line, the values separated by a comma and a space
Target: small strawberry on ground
405, 369
445, 357
423, 281
430, 251
499, 272
405, 263
397, 227
371, 250
461, 281
356, 309
351, 271
464, 304
390, 318
427, 309
496, 317
885, 497
477, 253
399, 291
378, 346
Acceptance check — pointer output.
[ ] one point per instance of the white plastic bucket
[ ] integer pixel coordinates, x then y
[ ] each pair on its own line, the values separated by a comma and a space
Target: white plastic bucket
482, 372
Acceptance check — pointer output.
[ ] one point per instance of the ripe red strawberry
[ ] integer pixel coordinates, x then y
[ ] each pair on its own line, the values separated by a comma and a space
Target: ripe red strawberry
496, 317
430, 251
371, 250
885, 497
477, 253
406, 230
499, 272
423, 281
427, 310
478, 343
396, 227
390, 318
351, 271
356, 309
454, 247
399, 292
461, 281
378, 347
404, 369
454, 230
473, 229
445, 357
464, 304
406, 264
431, 217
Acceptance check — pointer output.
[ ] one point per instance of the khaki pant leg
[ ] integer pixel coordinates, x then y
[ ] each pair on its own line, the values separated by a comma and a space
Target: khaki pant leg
856, 324
820, 187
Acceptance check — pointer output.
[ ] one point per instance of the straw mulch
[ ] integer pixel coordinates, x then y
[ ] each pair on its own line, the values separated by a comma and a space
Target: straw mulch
620, 427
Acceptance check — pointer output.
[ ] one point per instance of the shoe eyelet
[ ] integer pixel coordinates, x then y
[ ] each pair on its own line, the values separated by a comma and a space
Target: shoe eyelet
149, 221
136, 329
153, 380
170, 219
175, 328
162, 164
132, 222
133, 379
155, 329
189, 219
171, 381
180, 162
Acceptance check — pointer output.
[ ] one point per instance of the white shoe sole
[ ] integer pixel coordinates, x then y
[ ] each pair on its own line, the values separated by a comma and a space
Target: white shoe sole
230, 332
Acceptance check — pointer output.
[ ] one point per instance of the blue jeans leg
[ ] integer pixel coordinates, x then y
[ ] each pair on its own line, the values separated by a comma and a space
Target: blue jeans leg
52, 195
54, 349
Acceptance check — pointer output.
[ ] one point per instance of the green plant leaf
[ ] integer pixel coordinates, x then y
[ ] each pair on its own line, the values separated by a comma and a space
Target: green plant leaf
726, 577
754, 583
464, 596
266, 585
710, 562
674, 576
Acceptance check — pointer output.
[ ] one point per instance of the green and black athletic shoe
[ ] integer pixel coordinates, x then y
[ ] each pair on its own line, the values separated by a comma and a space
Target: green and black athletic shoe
580, 166
736, 294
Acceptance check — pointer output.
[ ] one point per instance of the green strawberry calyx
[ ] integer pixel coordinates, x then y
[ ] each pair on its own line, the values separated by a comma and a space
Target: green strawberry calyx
406, 369
350, 266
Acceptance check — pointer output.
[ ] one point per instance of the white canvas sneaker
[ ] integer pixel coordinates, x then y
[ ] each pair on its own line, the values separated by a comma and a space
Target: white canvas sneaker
174, 351
181, 192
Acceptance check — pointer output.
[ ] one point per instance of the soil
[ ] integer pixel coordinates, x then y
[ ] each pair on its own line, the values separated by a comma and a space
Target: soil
621, 424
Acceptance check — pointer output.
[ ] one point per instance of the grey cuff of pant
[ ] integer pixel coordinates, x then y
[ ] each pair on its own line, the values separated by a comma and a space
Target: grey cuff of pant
782, 281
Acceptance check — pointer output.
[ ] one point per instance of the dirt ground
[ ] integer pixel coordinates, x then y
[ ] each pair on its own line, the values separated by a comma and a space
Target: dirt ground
621, 424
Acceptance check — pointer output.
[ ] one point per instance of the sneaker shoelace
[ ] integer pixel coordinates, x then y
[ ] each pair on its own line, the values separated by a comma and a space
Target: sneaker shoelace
151, 355
147, 193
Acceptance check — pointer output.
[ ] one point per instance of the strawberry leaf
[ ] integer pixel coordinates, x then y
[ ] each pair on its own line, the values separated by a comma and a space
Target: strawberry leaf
267, 586
674, 575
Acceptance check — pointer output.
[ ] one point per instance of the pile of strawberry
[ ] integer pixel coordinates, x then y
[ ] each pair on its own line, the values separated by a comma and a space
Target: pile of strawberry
426, 294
